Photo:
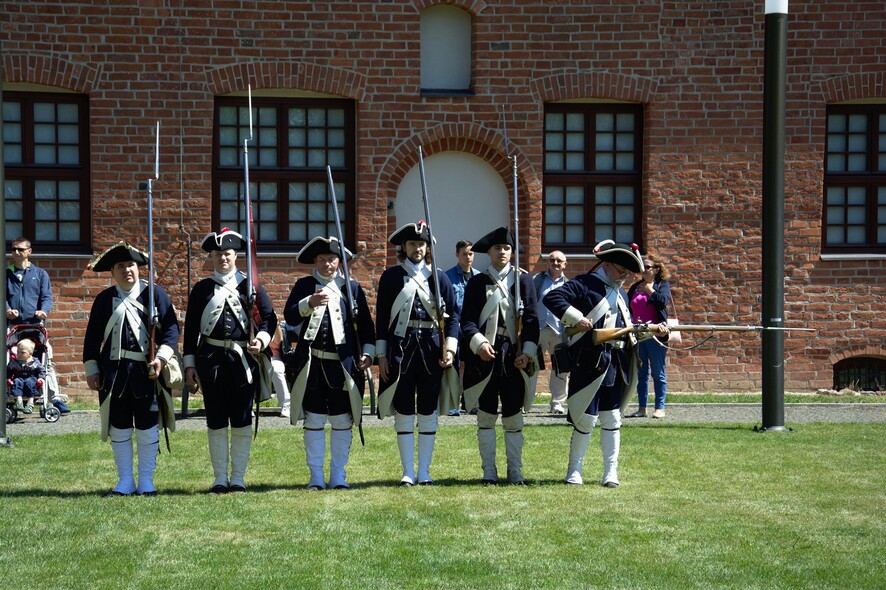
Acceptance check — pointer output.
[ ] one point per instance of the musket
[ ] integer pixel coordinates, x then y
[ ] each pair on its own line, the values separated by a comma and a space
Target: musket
352, 303
601, 335
250, 290
518, 299
438, 300
153, 319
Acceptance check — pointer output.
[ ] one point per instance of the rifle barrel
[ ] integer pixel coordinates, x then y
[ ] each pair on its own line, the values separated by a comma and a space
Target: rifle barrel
352, 304
438, 298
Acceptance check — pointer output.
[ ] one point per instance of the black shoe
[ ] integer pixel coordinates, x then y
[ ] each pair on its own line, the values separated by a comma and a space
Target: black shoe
428, 482
218, 489
489, 482
114, 494
148, 494
237, 489
405, 484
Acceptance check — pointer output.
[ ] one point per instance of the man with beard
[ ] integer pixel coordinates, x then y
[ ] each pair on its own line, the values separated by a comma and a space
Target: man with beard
328, 365
499, 359
415, 355
220, 356
604, 376
115, 357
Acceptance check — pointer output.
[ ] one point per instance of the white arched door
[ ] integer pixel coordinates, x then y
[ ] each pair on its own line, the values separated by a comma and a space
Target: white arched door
468, 200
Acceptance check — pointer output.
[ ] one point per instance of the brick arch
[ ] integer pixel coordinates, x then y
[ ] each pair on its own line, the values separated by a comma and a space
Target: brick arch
610, 85
472, 6
485, 143
871, 350
49, 71
297, 75
854, 87
469, 138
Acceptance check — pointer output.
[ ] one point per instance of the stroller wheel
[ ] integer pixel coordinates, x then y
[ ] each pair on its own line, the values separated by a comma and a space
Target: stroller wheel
11, 415
51, 414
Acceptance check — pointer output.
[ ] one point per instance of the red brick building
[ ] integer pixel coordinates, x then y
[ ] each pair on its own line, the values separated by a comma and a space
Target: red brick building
637, 120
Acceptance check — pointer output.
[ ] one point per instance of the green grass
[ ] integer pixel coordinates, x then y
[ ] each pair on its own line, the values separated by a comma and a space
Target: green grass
701, 506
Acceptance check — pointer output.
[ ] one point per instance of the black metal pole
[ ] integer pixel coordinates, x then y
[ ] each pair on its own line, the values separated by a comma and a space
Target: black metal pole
775, 58
5, 442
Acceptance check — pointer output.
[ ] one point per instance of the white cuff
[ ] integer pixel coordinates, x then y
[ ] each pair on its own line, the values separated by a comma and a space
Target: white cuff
91, 368
264, 338
381, 348
304, 308
477, 340
165, 353
530, 349
190, 361
452, 345
572, 316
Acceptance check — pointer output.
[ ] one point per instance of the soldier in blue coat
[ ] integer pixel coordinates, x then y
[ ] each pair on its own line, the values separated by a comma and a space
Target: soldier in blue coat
604, 376
498, 361
115, 358
414, 354
328, 365
222, 357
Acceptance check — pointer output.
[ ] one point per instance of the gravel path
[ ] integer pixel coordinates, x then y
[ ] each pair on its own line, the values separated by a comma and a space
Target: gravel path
750, 414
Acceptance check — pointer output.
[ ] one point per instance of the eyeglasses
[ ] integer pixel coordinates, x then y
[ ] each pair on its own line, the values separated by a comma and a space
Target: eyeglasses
558, 260
17, 250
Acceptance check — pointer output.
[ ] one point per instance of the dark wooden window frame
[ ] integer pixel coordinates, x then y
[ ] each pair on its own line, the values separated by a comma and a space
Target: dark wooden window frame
590, 178
28, 172
870, 179
282, 175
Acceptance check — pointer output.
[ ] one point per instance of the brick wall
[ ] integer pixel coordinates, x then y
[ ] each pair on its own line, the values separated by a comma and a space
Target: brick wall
698, 70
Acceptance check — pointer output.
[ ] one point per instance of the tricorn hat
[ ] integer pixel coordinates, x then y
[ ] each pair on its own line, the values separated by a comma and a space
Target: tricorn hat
226, 239
119, 252
411, 231
624, 255
501, 235
321, 245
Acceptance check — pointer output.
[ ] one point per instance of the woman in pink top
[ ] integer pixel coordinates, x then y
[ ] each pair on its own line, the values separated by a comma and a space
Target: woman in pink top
649, 298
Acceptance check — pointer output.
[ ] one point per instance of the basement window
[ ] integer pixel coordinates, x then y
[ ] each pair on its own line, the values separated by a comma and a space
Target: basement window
860, 373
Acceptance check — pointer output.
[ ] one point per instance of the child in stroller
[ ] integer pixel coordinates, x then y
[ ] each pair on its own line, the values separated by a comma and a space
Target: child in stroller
26, 348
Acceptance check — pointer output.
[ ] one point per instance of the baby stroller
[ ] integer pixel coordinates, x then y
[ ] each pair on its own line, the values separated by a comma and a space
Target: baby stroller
36, 333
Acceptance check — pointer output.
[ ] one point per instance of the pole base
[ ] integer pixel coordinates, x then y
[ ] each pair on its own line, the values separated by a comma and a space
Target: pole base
7, 443
772, 429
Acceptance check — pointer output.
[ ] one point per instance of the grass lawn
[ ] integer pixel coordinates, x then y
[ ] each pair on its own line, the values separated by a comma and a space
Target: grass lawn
700, 506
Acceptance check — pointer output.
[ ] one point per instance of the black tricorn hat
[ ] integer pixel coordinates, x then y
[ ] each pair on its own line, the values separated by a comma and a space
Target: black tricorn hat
318, 246
624, 255
501, 235
411, 231
226, 239
119, 252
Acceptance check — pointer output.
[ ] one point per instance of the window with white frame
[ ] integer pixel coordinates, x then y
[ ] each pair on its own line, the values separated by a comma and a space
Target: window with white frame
294, 139
854, 215
46, 157
592, 174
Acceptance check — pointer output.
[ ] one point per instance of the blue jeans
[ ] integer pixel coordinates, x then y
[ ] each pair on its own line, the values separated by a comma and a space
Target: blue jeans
652, 354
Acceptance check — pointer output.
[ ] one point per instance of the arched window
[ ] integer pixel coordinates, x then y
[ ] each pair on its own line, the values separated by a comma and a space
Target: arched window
861, 373
445, 51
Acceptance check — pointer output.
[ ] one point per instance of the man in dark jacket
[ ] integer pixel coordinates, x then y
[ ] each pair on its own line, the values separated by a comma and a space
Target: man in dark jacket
223, 341
328, 365
499, 355
116, 359
415, 353
604, 375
